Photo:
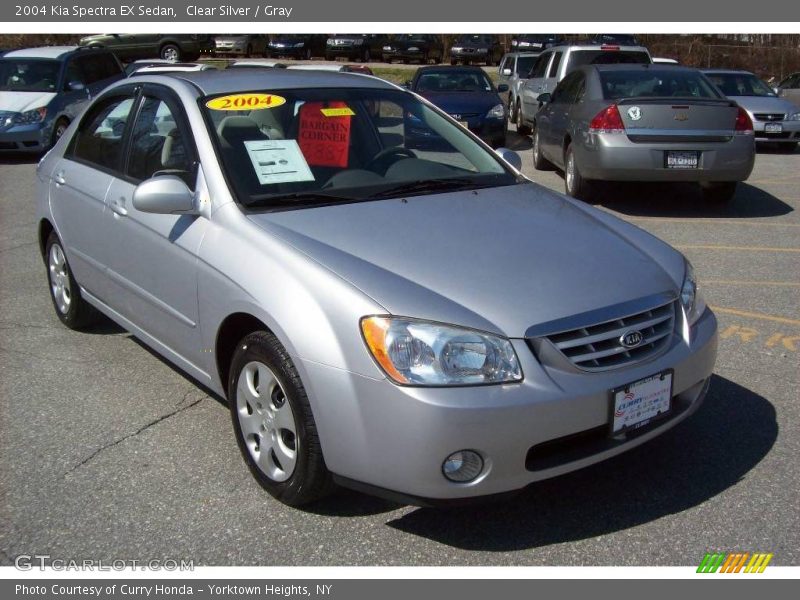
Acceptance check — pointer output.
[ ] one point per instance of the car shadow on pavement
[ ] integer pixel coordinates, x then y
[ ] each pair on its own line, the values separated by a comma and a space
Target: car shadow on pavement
686, 200
685, 467
517, 142
19, 158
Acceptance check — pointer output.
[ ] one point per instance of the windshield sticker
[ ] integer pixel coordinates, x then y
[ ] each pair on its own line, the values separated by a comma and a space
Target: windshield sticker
246, 102
337, 112
325, 141
278, 161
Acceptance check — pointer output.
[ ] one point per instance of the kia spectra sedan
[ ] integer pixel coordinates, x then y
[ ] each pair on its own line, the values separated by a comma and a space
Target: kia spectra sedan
429, 326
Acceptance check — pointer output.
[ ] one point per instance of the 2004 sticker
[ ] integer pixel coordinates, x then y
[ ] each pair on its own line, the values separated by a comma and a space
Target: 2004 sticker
246, 102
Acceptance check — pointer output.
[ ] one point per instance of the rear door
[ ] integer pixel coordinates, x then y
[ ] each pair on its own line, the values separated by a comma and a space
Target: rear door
80, 184
535, 86
558, 115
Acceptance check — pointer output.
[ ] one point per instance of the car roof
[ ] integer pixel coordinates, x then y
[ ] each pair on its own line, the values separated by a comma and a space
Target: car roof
42, 52
240, 80
589, 46
534, 54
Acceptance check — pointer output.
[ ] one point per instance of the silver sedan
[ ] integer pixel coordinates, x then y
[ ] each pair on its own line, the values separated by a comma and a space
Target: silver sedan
424, 325
643, 123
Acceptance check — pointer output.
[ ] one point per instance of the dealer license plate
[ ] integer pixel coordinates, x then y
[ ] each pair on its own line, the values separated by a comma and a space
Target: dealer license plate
773, 127
682, 160
639, 403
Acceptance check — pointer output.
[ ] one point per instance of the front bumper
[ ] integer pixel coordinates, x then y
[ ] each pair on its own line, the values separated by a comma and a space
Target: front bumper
351, 52
469, 57
390, 55
286, 51
789, 134
26, 138
613, 157
395, 438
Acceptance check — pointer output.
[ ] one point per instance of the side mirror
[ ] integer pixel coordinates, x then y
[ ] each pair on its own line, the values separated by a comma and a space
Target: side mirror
510, 157
544, 98
776, 90
164, 195
507, 72
502, 88
75, 86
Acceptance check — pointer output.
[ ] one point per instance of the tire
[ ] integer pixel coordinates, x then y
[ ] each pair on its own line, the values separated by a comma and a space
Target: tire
365, 57
522, 128
719, 193
540, 163
170, 52
71, 309
574, 183
293, 471
58, 130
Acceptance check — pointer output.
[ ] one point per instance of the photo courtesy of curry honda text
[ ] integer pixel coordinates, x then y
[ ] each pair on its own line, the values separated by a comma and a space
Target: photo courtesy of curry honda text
427, 324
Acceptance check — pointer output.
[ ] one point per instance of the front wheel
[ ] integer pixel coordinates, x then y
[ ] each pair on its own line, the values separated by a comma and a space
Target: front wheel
71, 309
574, 183
273, 423
170, 52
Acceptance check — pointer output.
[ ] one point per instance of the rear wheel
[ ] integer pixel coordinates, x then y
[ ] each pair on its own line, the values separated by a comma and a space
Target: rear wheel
719, 193
71, 308
574, 183
540, 163
170, 52
273, 423
522, 128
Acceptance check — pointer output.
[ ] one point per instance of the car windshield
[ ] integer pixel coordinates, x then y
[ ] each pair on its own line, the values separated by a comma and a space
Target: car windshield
296, 148
655, 84
740, 84
28, 75
453, 80
525, 64
472, 39
579, 58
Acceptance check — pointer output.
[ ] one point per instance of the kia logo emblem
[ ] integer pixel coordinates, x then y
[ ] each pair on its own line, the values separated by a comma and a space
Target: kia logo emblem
631, 339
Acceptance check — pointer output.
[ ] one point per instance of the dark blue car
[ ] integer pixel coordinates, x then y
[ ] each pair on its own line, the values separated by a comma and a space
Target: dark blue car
466, 94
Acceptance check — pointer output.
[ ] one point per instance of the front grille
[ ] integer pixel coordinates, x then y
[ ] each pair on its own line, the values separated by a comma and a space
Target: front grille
769, 116
598, 347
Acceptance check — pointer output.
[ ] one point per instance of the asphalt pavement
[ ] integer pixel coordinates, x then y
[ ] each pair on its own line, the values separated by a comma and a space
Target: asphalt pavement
109, 452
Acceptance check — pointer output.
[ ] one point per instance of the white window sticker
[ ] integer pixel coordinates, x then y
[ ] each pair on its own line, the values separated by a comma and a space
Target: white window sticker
278, 161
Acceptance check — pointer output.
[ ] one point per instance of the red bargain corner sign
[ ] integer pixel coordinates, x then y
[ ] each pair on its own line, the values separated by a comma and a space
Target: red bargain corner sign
324, 135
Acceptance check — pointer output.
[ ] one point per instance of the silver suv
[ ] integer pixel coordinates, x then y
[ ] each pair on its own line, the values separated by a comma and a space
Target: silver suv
513, 71
556, 62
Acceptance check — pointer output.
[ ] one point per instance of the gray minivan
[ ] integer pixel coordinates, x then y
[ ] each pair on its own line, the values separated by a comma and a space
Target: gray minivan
42, 90
556, 62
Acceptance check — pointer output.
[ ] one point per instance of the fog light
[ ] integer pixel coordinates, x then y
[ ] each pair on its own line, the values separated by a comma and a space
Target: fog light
462, 466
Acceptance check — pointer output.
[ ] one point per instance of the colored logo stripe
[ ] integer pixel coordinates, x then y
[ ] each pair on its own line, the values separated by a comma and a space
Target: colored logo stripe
733, 563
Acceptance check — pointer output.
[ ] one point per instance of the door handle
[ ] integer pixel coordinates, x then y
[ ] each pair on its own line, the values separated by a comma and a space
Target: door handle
59, 178
118, 206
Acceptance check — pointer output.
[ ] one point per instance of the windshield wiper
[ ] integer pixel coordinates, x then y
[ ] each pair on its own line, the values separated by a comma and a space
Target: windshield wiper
298, 199
450, 184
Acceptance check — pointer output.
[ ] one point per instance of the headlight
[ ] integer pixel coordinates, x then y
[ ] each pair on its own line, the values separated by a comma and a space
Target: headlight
387, 48
513, 43
413, 49
793, 116
497, 112
29, 117
329, 42
456, 49
431, 354
299, 44
691, 299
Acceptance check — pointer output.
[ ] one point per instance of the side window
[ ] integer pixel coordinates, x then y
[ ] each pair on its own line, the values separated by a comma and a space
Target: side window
100, 136
111, 67
158, 144
93, 70
73, 73
553, 72
540, 67
563, 92
580, 88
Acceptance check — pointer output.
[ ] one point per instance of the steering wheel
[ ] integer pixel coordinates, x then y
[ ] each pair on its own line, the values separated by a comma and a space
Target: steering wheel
387, 157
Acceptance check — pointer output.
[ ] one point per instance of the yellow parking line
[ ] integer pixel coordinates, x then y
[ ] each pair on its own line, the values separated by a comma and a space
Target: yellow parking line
736, 248
711, 222
753, 315
738, 282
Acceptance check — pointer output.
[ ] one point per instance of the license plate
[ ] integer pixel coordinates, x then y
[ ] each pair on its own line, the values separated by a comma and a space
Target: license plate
682, 160
773, 127
639, 403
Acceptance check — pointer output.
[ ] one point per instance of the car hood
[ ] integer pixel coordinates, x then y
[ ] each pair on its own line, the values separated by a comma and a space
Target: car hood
22, 101
759, 104
463, 102
471, 45
502, 259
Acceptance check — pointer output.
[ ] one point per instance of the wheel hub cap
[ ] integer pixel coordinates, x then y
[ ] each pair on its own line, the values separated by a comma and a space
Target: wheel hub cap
59, 279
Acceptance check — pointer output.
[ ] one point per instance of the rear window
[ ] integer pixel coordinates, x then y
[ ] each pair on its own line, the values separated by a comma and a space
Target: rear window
655, 84
579, 58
